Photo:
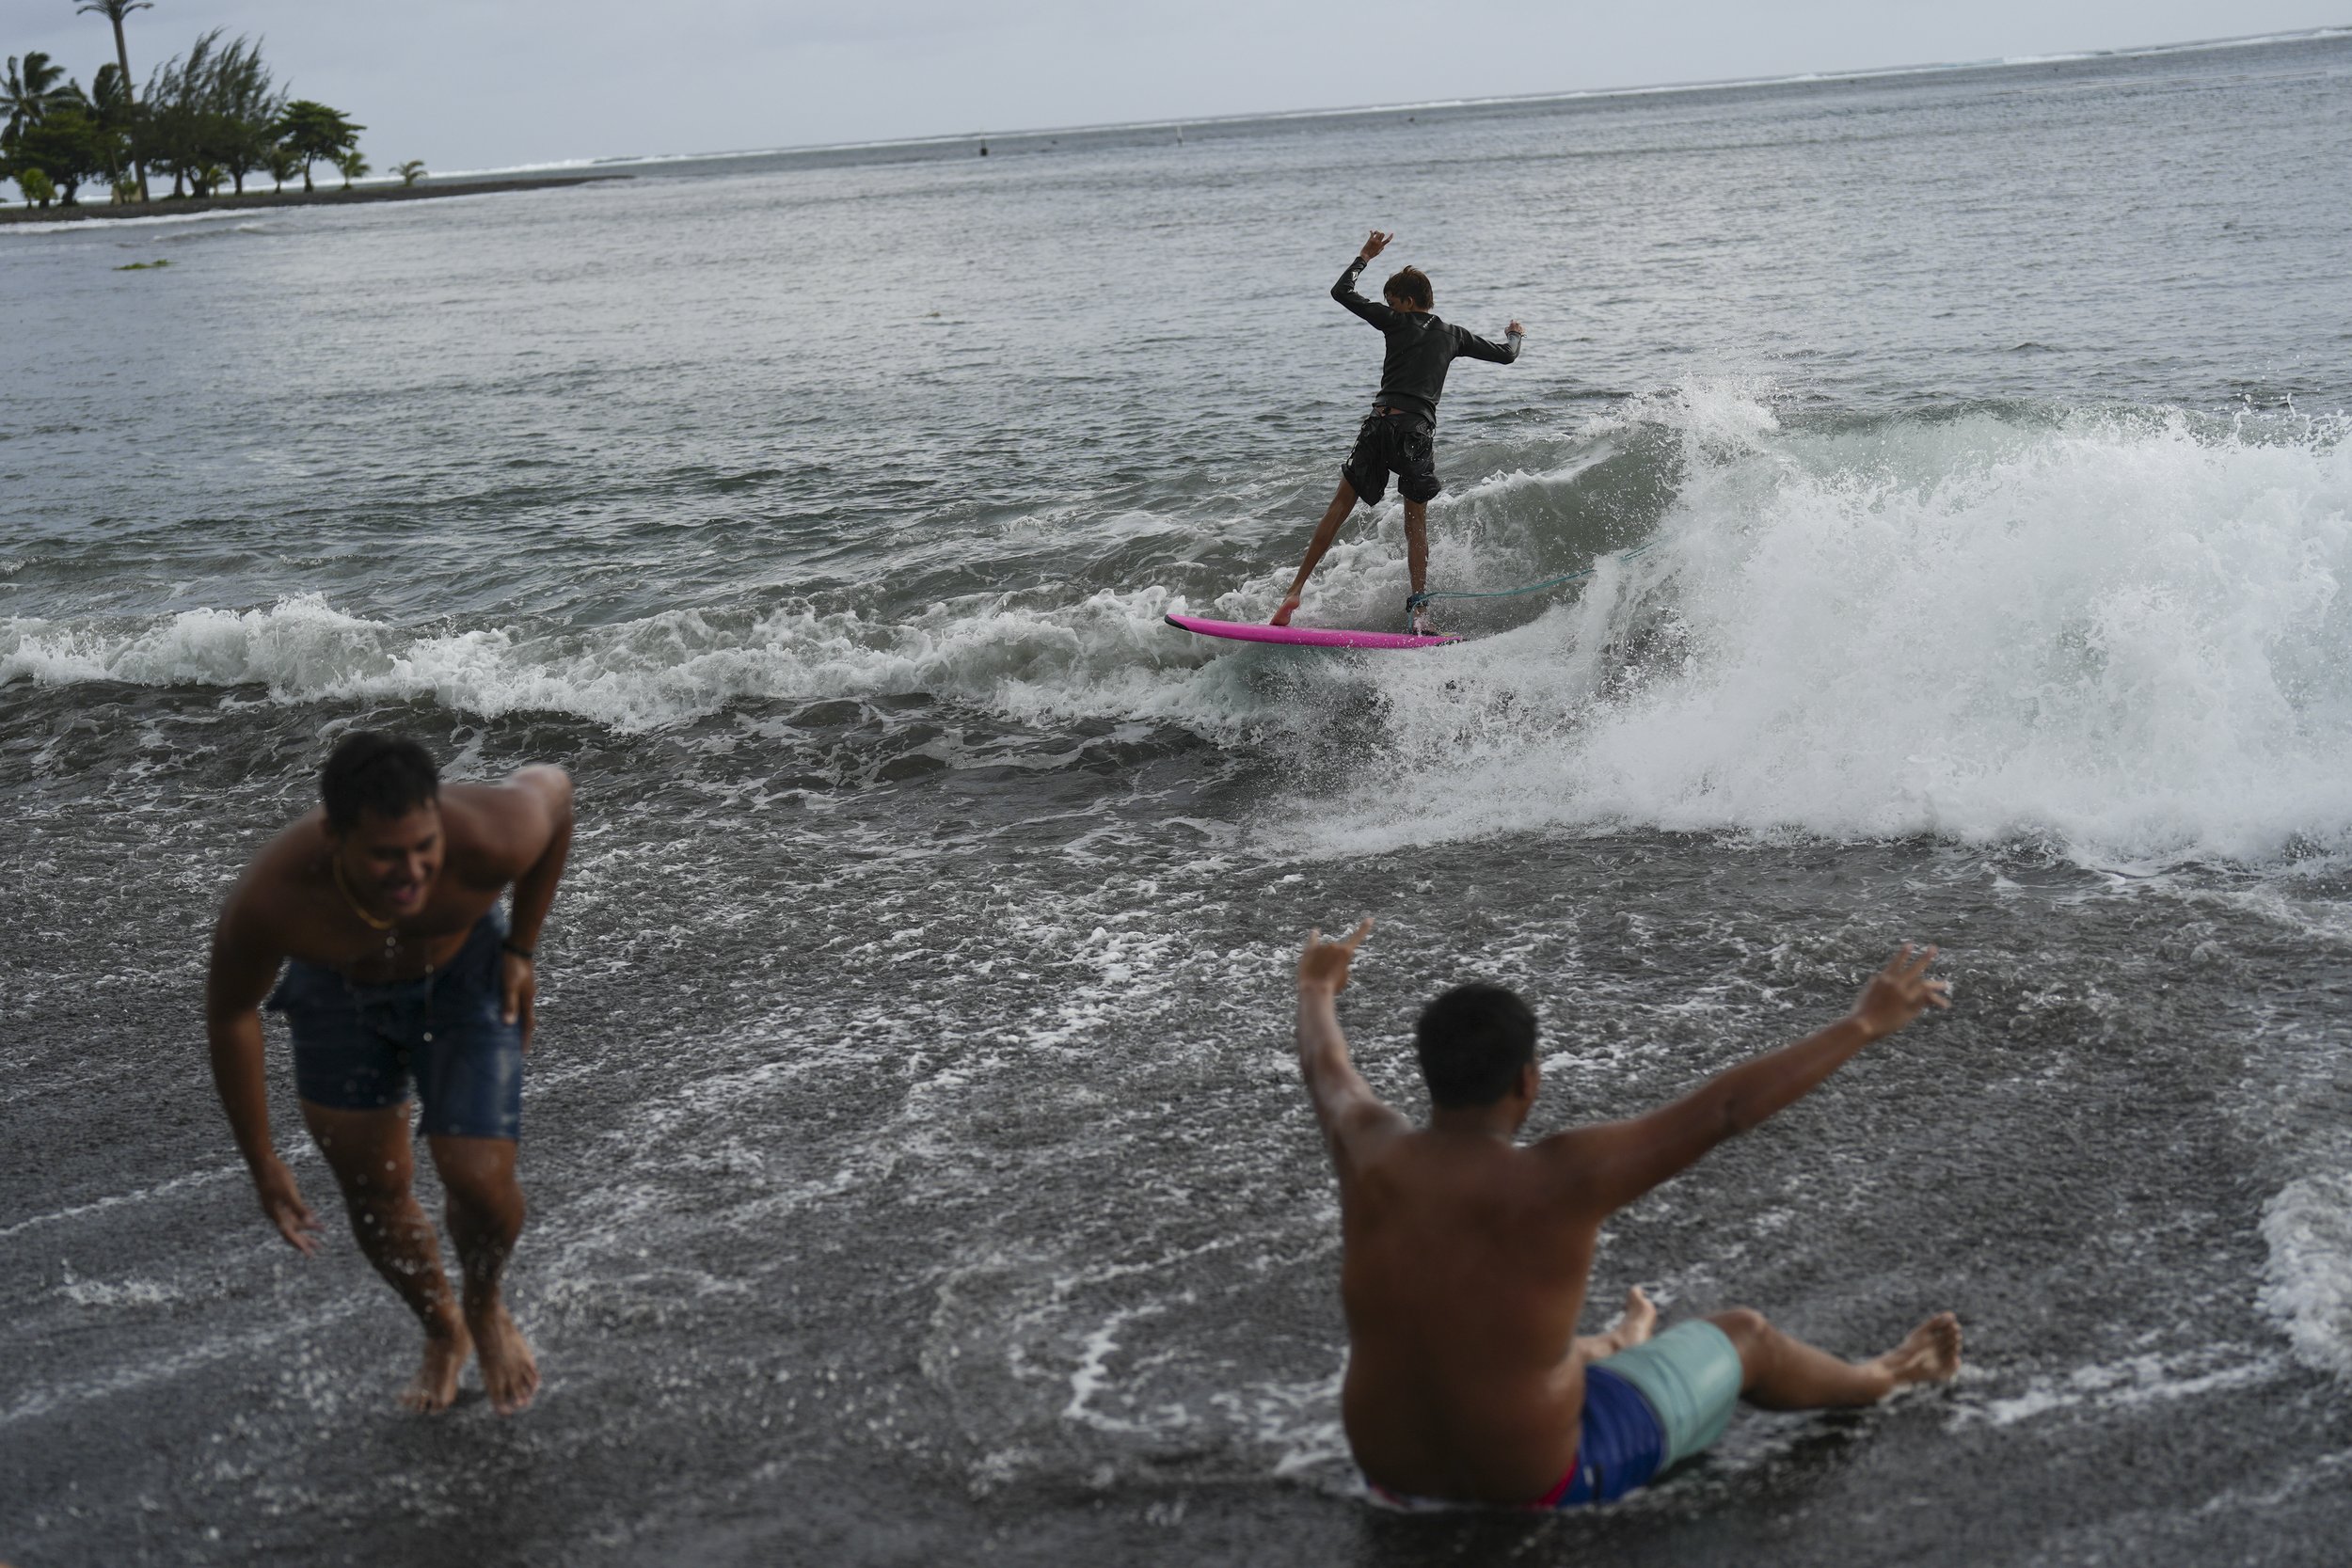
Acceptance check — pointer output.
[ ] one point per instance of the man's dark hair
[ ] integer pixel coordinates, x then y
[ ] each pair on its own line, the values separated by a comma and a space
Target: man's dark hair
1412, 285
372, 772
1472, 1042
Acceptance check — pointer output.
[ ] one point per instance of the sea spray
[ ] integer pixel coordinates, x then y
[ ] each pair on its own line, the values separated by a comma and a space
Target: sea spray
2125, 632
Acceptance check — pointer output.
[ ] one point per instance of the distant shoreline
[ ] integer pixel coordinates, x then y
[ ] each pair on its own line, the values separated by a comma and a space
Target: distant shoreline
167, 208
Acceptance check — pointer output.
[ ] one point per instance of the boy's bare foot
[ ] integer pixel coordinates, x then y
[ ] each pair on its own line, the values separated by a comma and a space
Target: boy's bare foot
1282, 616
1930, 1354
435, 1387
510, 1373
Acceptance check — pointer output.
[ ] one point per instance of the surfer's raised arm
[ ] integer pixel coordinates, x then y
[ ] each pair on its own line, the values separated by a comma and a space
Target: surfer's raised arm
1345, 1107
1471, 346
1344, 290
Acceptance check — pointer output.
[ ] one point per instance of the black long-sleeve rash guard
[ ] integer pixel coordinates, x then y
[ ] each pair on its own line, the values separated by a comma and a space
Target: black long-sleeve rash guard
1412, 375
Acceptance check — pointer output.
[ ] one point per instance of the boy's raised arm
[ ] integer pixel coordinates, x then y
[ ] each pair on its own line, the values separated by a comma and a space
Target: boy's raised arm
1344, 290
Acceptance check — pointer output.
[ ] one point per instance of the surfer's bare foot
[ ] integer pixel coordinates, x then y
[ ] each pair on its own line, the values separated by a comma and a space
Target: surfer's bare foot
1930, 1354
510, 1373
1282, 616
435, 1387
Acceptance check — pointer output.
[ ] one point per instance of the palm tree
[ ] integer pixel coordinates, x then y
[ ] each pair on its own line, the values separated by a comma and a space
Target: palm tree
27, 95
112, 126
114, 11
353, 164
410, 171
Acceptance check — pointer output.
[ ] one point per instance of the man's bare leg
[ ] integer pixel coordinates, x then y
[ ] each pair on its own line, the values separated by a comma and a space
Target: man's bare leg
1633, 1326
369, 1153
1343, 502
1783, 1373
486, 1215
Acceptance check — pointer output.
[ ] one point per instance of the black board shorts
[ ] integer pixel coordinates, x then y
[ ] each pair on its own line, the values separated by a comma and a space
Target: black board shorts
1402, 444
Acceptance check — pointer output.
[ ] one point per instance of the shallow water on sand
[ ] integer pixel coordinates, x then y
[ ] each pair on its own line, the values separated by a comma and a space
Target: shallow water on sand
916, 1165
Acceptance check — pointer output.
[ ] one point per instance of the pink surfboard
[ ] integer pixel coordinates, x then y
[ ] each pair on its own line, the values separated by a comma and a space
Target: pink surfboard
1305, 636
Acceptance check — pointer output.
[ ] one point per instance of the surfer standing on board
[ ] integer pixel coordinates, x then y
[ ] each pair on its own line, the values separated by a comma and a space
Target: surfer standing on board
402, 969
1465, 1259
1395, 437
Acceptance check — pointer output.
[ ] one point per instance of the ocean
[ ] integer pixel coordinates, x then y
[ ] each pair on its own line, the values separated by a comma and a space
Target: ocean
917, 1164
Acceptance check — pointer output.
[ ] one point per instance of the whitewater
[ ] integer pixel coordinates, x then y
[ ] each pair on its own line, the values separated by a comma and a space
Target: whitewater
918, 1170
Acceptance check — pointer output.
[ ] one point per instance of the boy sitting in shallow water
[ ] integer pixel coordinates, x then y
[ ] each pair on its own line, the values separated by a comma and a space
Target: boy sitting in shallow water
1465, 1259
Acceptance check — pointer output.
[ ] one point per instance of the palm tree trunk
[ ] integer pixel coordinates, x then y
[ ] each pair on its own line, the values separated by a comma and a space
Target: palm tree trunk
130, 99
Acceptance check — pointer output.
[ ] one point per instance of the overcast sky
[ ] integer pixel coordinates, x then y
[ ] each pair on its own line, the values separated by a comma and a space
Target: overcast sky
479, 84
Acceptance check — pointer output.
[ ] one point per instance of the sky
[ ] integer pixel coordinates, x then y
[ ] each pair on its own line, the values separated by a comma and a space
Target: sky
494, 84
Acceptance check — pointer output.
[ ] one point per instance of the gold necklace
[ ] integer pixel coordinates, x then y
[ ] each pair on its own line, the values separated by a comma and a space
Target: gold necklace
392, 941
345, 888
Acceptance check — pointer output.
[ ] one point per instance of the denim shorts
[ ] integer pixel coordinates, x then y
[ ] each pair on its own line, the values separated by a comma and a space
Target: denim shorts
361, 1047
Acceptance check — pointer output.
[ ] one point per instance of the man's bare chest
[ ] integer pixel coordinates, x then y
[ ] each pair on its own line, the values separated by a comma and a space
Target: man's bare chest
326, 932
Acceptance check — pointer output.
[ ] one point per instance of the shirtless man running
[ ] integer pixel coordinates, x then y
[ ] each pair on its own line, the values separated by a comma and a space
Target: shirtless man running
386, 900
1465, 1259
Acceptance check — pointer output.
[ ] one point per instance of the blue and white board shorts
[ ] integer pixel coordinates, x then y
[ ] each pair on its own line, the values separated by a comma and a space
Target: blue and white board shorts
1689, 1378
1645, 1410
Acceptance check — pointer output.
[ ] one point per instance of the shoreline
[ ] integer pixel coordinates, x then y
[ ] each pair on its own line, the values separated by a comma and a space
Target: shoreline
166, 207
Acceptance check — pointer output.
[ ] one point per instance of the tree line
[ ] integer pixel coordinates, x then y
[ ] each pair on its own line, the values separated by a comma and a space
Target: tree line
214, 116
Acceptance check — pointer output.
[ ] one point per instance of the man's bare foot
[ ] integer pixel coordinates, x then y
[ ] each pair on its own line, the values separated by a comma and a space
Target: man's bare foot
1633, 1326
1282, 616
1930, 1354
435, 1387
1637, 1322
510, 1373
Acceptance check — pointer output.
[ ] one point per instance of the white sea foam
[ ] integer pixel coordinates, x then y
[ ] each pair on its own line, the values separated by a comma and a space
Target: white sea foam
2308, 1279
1106, 654
2128, 634
159, 220
2124, 633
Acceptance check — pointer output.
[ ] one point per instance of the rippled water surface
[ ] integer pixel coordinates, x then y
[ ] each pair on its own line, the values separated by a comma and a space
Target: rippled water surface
918, 1170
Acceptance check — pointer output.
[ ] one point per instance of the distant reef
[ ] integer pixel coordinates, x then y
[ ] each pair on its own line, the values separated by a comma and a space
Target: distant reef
420, 192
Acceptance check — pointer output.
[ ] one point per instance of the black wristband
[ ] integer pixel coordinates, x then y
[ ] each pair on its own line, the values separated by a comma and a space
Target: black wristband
528, 955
